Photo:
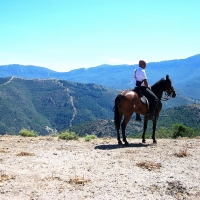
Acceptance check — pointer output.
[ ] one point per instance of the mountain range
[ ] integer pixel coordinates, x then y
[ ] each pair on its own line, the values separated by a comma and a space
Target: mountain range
46, 101
184, 73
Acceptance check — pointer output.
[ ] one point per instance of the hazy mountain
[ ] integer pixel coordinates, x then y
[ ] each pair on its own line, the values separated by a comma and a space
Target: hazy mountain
42, 99
185, 74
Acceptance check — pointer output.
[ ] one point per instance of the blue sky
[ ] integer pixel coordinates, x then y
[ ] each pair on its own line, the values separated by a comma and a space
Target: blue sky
63, 35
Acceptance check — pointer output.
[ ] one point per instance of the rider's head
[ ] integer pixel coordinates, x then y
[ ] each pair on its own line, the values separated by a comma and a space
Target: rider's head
142, 64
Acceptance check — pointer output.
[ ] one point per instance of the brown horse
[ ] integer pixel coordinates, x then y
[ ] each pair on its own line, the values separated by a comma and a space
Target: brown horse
128, 102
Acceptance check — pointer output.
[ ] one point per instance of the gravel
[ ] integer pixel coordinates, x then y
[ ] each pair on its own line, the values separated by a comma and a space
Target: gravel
46, 168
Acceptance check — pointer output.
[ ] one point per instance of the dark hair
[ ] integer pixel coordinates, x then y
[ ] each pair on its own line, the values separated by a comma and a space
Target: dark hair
142, 63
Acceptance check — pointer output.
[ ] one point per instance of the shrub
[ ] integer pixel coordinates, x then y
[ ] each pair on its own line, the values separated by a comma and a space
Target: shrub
68, 136
163, 132
197, 132
90, 137
179, 130
27, 133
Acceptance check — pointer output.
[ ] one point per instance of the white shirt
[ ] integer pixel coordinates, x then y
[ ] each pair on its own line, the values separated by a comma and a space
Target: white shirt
134, 78
139, 75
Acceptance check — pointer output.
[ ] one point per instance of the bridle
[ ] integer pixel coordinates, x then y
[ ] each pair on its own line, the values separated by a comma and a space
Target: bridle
168, 95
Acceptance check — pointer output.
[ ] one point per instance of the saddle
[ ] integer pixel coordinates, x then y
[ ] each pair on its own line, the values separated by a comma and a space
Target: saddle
142, 98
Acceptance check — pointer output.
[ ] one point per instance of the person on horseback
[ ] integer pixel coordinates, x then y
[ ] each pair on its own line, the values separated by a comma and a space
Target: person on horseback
141, 83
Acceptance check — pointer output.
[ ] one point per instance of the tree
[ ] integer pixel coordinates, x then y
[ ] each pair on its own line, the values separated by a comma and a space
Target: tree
180, 130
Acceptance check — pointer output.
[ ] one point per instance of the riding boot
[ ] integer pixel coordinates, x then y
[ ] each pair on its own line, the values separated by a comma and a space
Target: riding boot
152, 109
138, 118
151, 115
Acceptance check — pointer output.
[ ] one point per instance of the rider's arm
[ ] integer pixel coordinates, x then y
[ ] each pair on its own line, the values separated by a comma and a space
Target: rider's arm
146, 83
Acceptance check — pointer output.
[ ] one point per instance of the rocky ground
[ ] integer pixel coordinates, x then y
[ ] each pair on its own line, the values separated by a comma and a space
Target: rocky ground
48, 168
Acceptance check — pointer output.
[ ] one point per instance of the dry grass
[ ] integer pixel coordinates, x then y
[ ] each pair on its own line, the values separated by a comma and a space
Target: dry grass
106, 138
79, 180
177, 190
25, 154
131, 151
183, 152
5, 177
50, 178
149, 165
53, 177
4, 151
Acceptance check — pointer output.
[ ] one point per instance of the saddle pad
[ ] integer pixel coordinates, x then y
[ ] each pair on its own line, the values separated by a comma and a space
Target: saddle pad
142, 98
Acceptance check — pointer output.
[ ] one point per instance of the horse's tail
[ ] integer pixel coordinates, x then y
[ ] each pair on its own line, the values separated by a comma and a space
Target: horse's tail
116, 112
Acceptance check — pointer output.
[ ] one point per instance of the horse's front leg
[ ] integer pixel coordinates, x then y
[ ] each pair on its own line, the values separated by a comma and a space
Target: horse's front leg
144, 129
154, 131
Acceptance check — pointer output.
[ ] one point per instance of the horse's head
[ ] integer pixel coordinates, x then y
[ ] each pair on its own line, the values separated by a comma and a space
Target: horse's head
168, 88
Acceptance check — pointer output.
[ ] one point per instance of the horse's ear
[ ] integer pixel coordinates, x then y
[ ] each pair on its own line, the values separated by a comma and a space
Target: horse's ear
167, 76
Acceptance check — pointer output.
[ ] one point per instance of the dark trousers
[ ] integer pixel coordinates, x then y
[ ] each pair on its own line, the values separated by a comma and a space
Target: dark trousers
153, 99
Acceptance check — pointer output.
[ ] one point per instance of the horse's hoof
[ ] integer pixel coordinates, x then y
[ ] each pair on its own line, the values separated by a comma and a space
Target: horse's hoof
119, 142
126, 143
143, 141
155, 141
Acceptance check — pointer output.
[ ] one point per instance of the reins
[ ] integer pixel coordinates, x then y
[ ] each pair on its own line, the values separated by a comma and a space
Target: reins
166, 97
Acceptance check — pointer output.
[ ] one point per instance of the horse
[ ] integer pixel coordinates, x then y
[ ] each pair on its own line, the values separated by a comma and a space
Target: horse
128, 102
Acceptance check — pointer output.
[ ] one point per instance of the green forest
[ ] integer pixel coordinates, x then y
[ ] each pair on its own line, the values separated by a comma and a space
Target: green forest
42, 105
48, 106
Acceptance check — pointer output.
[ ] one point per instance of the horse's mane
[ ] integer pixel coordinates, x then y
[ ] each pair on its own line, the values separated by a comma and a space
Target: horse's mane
159, 84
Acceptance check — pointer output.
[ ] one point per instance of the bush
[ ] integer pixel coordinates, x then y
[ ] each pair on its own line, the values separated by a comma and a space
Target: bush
179, 130
197, 132
90, 137
27, 133
163, 132
68, 136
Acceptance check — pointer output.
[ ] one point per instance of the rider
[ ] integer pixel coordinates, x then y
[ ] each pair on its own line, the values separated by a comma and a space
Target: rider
142, 84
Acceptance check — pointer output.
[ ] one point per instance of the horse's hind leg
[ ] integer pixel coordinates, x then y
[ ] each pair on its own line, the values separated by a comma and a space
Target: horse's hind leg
118, 129
123, 125
118, 137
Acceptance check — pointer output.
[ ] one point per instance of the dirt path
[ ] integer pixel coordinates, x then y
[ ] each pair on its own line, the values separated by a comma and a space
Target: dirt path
9, 81
71, 101
46, 168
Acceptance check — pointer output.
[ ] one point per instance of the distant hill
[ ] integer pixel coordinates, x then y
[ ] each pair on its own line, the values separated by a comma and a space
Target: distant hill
185, 74
43, 100
188, 115
27, 71
43, 105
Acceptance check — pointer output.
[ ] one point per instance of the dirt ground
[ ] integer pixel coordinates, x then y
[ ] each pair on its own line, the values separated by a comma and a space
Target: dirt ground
46, 168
